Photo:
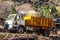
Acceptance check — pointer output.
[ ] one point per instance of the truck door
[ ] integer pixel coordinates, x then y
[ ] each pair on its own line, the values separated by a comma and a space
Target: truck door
21, 19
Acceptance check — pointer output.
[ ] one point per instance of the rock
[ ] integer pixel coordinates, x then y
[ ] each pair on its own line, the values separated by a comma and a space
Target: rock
58, 32
44, 38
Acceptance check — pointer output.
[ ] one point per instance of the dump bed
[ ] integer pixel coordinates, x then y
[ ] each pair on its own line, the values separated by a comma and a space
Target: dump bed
40, 22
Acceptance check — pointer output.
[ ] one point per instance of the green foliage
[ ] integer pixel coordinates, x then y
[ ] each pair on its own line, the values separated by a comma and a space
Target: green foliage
46, 10
38, 0
34, 5
13, 11
53, 9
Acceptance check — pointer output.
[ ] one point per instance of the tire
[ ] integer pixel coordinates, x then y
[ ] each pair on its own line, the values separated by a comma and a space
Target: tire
46, 33
54, 30
21, 29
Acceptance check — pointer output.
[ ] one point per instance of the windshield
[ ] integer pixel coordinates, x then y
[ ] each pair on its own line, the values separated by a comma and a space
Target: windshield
11, 17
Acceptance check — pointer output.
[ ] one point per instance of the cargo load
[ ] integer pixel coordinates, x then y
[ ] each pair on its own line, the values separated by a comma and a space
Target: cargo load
44, 22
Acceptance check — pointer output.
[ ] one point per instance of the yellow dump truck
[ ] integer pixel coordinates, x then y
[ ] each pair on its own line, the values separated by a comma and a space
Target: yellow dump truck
38, 23
29, 24
43, 23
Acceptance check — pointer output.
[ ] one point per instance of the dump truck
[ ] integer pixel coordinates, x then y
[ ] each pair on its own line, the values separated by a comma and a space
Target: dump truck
29, 24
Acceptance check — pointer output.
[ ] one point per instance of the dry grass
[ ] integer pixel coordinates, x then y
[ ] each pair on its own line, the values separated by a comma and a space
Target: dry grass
6, 36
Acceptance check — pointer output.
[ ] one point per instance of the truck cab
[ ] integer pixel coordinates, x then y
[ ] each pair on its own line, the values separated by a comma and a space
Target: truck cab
10, 20
13, 22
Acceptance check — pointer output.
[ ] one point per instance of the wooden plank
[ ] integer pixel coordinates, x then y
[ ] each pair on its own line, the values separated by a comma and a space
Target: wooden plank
44, 22
32, 23
27, 22
35, 21
38, 22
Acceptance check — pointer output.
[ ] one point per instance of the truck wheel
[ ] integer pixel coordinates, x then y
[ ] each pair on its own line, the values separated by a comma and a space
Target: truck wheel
21, 30
46, 33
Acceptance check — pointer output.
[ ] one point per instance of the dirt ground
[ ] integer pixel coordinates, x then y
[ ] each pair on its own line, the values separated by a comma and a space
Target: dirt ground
6, 36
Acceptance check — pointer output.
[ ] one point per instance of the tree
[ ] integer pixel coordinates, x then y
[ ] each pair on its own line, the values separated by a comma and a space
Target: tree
13, 10
53, 11
48, 11
44, 11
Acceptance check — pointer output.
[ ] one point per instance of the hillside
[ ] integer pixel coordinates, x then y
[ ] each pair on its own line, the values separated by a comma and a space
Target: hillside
5, 8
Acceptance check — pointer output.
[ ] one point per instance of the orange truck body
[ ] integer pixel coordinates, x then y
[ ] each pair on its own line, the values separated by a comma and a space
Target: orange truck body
40, 22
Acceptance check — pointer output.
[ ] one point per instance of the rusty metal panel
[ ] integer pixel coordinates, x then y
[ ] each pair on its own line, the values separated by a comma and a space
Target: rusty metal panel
32, 23
38, 22
50, 20
41, 21
27, 22
51, 23
44, 22
35, 20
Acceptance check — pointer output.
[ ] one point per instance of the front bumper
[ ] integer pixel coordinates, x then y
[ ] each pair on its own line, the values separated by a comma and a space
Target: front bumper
6, 26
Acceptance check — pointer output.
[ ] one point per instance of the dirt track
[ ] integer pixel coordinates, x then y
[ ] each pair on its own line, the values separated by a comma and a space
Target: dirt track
6, 36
